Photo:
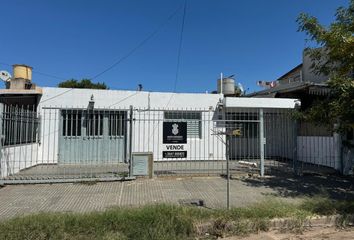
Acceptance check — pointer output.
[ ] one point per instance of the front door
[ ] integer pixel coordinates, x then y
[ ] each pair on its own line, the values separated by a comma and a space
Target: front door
92, 136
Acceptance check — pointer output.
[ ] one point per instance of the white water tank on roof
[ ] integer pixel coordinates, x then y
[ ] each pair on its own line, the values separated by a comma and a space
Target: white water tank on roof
228, 86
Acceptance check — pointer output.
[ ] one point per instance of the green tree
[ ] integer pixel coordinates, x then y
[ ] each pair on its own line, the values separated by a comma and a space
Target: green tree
84, 83
332, 53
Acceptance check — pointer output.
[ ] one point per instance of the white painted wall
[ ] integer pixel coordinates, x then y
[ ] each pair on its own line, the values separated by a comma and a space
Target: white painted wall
147, 131
16, 158
66, 97
148, 138
49, 136
274, 103
317, 150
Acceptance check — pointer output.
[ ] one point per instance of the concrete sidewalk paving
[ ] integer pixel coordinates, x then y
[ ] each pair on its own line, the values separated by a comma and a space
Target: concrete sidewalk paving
18, 200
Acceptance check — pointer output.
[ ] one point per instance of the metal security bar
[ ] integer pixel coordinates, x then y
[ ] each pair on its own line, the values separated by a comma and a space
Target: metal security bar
256, 140
63, 144
66, 144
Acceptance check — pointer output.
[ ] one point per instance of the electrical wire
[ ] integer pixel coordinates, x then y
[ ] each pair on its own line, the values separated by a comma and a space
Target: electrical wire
179, 53
41, 73
145, 40
60, 94
180, 45
45, 74
6, 64
50, 75
123, 99
178, 60
121, 59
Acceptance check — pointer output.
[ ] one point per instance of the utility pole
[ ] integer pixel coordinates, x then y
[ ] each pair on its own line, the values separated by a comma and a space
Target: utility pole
221, 82
227, 147
131, 141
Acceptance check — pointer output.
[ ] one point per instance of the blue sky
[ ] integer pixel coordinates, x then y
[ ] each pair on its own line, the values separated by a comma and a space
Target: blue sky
255, 40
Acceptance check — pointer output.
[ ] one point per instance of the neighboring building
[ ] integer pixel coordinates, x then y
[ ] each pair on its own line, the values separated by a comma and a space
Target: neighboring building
317, 144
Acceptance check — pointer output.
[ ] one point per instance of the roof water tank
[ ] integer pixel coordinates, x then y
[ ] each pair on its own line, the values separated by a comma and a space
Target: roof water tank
22, 71
228, 86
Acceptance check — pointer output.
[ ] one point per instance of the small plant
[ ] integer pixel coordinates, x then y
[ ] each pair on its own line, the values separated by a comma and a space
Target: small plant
344, 220
88, 183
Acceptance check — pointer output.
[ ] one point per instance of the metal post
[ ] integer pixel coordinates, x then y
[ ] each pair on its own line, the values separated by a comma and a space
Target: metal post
295, 160
131, 142
2, 131
227, 142
227, 173
261, 140
221, 82
338, 160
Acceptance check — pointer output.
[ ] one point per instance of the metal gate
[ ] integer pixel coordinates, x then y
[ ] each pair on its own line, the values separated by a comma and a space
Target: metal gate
62, 144
91, 136
255, 140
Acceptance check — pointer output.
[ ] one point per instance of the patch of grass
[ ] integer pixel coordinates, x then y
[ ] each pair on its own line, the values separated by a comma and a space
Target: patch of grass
150, 222
168, 221
88, 183
257, 217
269, 209
122, 174
325, 206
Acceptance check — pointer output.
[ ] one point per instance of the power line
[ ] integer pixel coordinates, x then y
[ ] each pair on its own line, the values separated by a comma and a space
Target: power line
124, 99
180, 45
151, 35
179, 52
50, 75
6, 64
45, 74
117, 62
125, 57
57, 95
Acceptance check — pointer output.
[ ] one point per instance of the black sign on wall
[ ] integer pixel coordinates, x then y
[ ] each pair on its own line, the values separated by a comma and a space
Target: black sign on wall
174, 154
174, 132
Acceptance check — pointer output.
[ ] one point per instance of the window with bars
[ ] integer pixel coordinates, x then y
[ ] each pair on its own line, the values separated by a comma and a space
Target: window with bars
116, 124
19, 125
94, 123
72, 120
193, 119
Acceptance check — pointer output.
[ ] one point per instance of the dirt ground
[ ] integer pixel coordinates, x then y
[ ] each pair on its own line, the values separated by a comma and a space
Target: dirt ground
313, 234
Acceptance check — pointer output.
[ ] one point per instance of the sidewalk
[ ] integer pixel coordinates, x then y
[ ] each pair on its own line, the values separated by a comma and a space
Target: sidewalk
25, 199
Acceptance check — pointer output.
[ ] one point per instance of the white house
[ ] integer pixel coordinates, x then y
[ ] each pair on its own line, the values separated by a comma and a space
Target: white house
61, 129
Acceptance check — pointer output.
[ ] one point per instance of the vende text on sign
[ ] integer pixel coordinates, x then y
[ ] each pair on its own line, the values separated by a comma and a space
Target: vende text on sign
174, 154
174, 147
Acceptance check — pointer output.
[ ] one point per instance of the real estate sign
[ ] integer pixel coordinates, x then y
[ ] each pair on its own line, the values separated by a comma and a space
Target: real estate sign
174, 138
174, 132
